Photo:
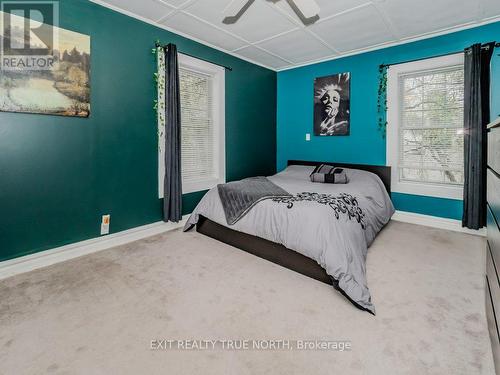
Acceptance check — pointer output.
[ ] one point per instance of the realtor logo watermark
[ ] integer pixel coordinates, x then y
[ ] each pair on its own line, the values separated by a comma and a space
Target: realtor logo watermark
256, 345
29, 35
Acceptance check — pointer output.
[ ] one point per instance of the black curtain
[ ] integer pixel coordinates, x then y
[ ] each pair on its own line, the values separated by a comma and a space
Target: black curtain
172, 200
476, 117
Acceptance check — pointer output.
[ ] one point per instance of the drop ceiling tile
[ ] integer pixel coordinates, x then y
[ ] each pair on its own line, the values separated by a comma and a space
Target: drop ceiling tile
413, 18
347, 25
174, 3
150, 9
200, 30
489, 9
297, 46
328, 7
260, 21
361, 28
262, 57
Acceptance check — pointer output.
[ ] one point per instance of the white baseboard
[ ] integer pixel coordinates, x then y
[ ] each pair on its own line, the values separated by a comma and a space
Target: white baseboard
435, 222
60, 254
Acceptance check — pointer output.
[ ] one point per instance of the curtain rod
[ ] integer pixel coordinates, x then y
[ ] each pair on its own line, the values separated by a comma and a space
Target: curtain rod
196, 57
432, 57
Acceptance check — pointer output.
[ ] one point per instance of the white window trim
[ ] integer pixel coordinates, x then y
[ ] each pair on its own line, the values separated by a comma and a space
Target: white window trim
219, 121
392, 144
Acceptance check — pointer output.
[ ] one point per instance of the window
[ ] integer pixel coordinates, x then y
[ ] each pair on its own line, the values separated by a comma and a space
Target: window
425, 142
203, 124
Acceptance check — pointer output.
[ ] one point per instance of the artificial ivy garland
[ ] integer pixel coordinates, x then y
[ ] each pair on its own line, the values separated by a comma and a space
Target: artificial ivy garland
382, 100
159, 79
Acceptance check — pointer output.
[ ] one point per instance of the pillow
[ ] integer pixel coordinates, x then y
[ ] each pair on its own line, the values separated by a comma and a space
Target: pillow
301, 172
329, 174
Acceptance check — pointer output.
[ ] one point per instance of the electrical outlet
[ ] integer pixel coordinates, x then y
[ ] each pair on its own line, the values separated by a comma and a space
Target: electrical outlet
308, 137
105, 224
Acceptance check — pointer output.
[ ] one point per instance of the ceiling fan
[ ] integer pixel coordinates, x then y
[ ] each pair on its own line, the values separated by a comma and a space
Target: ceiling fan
306, 10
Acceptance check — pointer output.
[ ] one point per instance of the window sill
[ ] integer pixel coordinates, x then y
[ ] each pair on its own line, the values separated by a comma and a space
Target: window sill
206, 184
428, 190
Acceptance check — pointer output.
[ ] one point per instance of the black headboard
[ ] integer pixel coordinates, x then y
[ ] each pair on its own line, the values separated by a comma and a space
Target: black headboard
382, 171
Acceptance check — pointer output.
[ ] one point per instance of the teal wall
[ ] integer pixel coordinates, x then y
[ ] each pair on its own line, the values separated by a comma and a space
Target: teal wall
58, 175
366, 145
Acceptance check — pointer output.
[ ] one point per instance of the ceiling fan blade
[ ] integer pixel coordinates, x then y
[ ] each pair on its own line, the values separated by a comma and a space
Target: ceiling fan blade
305, 20
308, 8
235, 10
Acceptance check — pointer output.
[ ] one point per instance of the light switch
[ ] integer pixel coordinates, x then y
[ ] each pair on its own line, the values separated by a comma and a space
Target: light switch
308, 137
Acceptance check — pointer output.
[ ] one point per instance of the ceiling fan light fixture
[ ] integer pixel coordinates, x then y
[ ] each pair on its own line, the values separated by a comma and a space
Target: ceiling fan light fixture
306, 10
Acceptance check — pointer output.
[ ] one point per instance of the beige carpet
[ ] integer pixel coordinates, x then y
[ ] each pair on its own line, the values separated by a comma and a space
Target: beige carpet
98, 314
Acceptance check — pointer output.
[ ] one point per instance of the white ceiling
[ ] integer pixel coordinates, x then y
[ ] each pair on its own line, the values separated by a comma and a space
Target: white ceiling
270, 34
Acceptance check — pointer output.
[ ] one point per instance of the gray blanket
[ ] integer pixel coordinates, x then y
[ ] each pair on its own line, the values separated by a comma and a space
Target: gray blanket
239, 197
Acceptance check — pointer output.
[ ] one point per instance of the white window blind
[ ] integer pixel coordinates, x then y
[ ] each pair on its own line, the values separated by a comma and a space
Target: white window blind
202, 96
431, 142
198, 143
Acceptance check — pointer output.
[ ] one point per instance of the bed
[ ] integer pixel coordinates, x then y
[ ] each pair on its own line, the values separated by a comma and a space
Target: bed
322, 230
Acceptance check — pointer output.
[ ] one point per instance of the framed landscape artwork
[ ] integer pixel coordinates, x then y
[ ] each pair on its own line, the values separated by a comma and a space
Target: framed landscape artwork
332, 105
62, 90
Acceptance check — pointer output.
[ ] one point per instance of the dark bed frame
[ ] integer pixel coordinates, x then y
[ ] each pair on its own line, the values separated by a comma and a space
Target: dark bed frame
277, 253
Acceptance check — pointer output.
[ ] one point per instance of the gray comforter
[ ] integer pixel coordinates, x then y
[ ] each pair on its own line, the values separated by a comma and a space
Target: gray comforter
332, 224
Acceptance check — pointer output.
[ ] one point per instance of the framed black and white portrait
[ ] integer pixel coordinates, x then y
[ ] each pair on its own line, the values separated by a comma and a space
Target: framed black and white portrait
332, 104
